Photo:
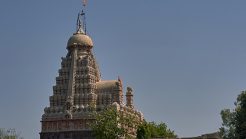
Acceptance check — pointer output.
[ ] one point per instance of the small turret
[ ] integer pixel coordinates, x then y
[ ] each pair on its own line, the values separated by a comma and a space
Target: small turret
129, 97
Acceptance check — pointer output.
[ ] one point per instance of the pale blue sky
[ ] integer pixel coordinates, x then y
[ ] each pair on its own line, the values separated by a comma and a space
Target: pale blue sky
185, 60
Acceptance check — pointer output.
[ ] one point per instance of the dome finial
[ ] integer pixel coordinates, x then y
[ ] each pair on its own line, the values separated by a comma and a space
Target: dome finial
80, 37
80, 26
84, 3
81, 20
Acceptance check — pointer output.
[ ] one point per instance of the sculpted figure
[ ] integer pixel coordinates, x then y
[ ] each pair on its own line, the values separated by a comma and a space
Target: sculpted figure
129, 89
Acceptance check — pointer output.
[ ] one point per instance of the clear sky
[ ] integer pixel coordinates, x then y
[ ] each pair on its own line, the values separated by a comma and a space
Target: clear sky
185, 60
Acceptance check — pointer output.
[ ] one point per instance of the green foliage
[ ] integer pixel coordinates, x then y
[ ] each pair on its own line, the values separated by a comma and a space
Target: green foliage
143, 131
152, 130
9, 134
108, 124
240, 117
234, 122
227, 130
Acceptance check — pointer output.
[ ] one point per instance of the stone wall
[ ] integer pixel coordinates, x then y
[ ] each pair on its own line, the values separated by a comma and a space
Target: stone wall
67, 135
204, 136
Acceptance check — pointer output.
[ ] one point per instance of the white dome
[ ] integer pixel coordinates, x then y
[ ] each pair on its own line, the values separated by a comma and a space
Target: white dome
80, 39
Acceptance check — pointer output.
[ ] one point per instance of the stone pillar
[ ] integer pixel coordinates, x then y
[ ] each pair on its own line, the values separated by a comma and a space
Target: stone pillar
129, 97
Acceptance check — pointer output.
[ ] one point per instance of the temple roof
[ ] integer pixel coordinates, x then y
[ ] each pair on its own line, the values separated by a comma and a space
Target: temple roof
107, 84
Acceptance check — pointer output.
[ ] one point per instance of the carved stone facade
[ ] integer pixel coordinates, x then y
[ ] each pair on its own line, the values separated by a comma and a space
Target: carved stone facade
79, 91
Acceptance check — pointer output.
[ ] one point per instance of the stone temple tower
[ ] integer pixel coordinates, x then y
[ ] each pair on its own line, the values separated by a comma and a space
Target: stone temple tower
79, 91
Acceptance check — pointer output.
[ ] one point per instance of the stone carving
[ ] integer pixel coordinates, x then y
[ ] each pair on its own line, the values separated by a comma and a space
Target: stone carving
129, 89
68, 115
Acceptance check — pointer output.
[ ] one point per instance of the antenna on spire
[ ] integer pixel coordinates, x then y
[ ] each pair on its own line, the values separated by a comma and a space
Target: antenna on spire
81, 20
84, 3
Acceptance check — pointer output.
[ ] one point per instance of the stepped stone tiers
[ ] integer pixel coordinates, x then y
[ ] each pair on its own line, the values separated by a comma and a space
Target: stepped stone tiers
79, 92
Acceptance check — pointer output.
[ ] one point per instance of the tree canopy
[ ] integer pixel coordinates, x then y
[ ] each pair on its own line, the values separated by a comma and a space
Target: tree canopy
107, 124
234, 121
111, 124
153, 130
9, 134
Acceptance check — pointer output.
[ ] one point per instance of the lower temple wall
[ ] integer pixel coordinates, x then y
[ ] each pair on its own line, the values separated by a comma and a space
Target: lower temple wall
67, 135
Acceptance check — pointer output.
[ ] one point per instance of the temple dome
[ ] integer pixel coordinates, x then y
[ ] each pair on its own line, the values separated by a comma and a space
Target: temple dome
80, 39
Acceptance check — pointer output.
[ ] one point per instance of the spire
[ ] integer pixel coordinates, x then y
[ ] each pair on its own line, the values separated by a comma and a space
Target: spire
80, 37
84, 3
81, 20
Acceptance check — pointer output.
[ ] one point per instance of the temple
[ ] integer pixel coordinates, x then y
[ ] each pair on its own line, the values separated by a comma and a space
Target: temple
80, 91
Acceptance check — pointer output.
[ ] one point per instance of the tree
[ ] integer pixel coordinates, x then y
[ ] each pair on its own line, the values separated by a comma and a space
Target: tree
234, 122
9, 134
240, 116
108, 124
227, 130
143, 131
152, 130
112, 124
